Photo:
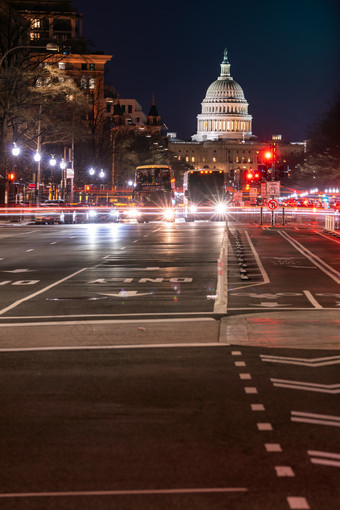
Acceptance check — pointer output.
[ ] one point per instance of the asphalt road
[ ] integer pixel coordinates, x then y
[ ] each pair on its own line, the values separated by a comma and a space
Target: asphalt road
176, 428
117, 389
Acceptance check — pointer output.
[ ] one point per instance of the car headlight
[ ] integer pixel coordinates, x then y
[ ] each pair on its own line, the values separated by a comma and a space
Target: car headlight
114, 213
221, 209
168, 214
92, 213
192, 208
133, 213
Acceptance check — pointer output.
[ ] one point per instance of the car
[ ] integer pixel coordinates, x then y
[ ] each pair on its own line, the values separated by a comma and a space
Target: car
103, 214
54, 211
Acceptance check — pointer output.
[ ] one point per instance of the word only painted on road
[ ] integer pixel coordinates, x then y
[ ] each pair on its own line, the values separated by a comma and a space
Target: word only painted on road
141, 280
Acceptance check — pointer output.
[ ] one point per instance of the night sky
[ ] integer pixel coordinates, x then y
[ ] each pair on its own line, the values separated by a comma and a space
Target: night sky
285, 55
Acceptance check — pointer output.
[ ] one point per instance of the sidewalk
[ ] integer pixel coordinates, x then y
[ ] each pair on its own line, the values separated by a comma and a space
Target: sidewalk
314, 329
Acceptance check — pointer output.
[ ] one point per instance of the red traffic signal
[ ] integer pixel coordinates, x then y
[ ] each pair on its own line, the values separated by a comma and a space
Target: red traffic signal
11, 177
269, 155
87, 187
250, 176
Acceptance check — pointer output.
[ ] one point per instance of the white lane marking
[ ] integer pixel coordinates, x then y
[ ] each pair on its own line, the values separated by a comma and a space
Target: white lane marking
309, 362
329, 238
250, 389
324, 458
312, 299
284, 471
301, 385
27, 298
110, 347
239, 364
330, 455
236, 353
31, 249
245, 376
136, 241
325, 462
126, 315
273, 447
120, 492
297, 503
123, 248
55, 242
257, 407
257, 258
323, 266
264, 426
318, 419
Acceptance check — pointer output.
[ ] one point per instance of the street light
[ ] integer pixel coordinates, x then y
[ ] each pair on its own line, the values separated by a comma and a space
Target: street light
48, 47
63, 166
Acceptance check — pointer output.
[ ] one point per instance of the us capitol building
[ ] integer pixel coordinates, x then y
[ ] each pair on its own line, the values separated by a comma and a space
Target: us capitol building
224, 110
224, 138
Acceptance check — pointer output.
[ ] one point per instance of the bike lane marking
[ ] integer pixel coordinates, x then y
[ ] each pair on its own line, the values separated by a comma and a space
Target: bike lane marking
27, 298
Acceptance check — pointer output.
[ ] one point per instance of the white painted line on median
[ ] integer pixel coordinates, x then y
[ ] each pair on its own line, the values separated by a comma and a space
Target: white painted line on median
323, 266
27, 298
239, 364
11, 495
258, 260
127, 315
31, 249
312, 299
110, 347
245, 376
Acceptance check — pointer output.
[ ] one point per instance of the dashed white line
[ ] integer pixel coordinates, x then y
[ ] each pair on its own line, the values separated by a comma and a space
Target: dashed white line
236, 353
31, 249
284, 471
239, 364
273, 447
264, 426
297, 503
245, 376
257, 407
250, 390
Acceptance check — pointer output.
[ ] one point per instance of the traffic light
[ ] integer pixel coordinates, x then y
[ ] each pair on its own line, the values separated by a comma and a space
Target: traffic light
11, 177
87, 187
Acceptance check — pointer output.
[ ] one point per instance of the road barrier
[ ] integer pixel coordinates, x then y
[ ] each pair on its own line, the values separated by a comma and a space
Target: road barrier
330, 222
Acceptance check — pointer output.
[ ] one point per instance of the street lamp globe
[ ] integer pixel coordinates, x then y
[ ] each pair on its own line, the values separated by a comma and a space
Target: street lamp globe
37, 157
91, 171
62, 164
15, 150
53, 161
102, 173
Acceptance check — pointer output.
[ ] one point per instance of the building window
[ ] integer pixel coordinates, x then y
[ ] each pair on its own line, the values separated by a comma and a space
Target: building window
84, 67
123, 108
62, 65
34, 36
214, 160
129, 108
108, 107
179, 158
187, 159
83, 82
92, 67
193, 159
92, 83
35, 23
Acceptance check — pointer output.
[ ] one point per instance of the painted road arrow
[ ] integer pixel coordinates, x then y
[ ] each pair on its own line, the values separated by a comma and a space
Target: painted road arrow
306, 362
18, 271
301, 385
126, 293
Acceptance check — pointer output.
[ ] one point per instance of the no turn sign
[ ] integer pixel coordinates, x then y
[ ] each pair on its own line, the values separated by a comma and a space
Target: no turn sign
272, 204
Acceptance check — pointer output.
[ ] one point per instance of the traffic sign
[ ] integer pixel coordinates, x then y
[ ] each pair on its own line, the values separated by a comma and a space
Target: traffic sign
272, 204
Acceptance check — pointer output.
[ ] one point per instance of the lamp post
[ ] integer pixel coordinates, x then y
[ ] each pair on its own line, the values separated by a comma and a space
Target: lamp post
37, 159
63, 167
48, 47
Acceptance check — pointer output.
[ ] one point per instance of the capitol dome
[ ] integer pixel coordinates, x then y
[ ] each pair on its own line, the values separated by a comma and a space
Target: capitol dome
224, 110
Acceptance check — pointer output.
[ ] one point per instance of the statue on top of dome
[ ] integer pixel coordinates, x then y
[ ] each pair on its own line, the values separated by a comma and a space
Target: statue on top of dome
225, 56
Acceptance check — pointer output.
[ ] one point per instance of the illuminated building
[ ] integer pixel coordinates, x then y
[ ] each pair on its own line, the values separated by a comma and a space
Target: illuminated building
224, 110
